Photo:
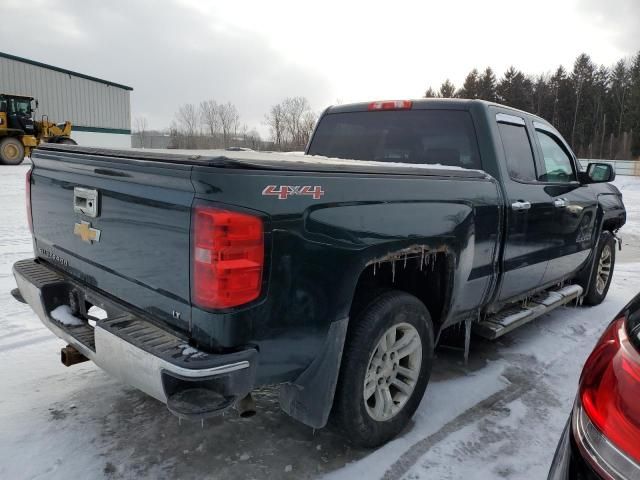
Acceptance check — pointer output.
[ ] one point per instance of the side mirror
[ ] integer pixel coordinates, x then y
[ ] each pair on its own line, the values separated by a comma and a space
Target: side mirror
37, 104
600, 172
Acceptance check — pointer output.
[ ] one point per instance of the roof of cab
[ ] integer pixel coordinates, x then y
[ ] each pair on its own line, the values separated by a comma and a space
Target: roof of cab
11, 95
436, 104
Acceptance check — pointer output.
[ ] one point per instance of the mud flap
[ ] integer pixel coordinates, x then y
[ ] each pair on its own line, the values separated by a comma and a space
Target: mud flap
309, 399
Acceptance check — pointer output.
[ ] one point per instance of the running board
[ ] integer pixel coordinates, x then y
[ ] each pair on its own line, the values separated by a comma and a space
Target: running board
512, 317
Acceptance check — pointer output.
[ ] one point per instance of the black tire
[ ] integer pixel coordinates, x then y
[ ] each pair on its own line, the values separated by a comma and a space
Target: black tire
67, 141
11, 151
598, 286
351, 412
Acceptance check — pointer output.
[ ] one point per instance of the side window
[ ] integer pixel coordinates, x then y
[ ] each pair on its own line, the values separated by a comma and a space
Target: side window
557, 163
517, 149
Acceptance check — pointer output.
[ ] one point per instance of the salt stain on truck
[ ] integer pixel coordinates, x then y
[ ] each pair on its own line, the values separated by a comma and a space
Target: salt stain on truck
332, 274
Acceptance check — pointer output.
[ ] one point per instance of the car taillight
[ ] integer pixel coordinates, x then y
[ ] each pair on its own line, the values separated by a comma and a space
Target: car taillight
391, 105
228, 257
607, 416
27, 195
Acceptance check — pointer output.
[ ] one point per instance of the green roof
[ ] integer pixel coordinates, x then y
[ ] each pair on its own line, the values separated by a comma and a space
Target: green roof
63, 70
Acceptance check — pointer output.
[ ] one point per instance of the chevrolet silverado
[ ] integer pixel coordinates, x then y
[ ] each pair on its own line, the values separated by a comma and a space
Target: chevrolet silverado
331, 274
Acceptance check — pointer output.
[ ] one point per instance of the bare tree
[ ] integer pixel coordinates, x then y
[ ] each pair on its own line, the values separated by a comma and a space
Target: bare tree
140, 129
295, 108
209, 116
229, 121
188, 120
309, 120
275, 120
291, 123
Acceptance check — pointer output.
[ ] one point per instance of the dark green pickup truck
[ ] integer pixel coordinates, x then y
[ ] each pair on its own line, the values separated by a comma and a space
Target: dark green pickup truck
201, 276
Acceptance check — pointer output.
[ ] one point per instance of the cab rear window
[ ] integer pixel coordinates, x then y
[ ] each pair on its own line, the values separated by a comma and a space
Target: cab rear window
444, 137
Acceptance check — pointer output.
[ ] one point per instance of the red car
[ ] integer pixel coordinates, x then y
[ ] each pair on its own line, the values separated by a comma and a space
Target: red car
602, 437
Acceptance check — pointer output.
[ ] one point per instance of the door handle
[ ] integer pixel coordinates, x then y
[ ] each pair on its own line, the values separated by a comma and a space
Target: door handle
560, 202
521, 205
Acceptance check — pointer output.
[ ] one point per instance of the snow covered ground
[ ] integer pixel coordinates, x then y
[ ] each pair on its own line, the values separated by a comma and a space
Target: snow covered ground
500, 416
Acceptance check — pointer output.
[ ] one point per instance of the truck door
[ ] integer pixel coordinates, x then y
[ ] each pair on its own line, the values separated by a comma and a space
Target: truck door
530, 212
575, 205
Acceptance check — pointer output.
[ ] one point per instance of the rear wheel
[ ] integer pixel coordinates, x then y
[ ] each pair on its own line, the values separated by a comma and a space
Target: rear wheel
385, 369
602, 270
11, 151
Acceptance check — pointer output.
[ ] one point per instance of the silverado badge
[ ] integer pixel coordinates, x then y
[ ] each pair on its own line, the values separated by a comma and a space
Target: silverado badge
86, 233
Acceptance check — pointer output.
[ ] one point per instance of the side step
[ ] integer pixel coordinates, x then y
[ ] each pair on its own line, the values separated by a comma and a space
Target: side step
512, 317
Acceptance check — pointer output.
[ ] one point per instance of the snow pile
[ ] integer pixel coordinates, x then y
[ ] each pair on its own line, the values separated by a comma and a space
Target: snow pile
98, 313
63, 315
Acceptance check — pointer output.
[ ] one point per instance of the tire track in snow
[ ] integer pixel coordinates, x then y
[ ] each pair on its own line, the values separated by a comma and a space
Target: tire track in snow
490, 404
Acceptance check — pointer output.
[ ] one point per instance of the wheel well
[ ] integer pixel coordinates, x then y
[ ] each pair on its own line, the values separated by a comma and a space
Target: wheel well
611, 225
424, 275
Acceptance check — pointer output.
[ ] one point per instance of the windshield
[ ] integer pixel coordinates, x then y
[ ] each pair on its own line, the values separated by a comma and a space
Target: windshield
20, 105
444, 137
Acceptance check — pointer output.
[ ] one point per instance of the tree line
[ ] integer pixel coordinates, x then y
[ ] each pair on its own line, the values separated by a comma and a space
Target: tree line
210, 124
595, 108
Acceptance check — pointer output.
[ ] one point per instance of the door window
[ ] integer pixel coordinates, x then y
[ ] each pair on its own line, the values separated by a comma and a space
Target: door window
517, 149
557, 163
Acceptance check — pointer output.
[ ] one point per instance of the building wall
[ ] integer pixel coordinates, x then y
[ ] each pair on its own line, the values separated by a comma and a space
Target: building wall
106, 140
95, 107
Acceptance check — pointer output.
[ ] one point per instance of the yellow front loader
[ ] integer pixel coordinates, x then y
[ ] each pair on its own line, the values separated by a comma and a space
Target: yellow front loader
20, 134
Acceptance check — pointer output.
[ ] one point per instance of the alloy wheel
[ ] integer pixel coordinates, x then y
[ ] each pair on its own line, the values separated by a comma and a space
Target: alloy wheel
393, 371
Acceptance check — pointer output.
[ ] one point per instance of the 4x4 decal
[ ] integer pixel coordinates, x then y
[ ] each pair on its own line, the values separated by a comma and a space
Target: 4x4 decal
285, 191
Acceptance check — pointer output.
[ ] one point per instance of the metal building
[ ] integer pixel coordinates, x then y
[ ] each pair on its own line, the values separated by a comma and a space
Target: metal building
99, 110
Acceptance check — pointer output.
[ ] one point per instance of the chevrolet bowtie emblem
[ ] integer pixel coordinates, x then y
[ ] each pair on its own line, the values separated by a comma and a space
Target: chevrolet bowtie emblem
86, 233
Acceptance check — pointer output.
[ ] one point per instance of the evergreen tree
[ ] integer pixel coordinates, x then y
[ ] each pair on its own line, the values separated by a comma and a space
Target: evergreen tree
597, 109
542, 96
430, 93
582, 80
447, 90
515, 90
487, 86
619, 92
470, 87
560, 89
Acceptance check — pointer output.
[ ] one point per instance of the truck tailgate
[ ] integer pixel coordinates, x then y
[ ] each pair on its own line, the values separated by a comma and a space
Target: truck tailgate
143, 221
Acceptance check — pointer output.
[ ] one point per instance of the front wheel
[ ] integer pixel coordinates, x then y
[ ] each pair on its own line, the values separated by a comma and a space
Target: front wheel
385, 369
11, 151
602, 270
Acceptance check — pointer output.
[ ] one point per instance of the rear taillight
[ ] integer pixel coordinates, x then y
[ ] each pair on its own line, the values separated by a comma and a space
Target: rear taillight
391, 105
607, 417
228, 257
27, 196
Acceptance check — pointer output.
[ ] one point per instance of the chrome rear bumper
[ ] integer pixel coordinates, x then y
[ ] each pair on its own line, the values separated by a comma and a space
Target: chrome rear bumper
138, 352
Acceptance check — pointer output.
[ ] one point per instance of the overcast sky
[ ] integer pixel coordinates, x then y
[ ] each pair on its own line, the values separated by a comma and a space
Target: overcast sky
254, 54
